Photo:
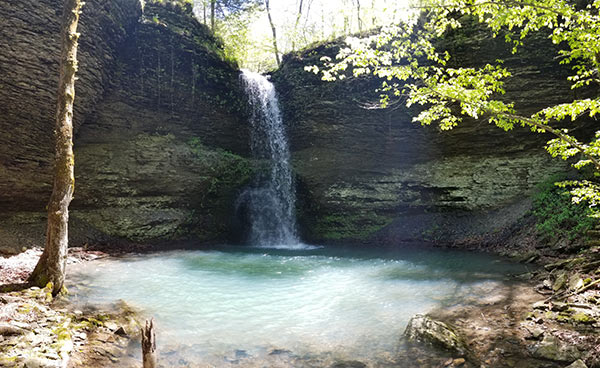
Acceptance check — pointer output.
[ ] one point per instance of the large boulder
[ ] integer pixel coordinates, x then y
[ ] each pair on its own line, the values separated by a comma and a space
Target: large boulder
426, 330
553, 348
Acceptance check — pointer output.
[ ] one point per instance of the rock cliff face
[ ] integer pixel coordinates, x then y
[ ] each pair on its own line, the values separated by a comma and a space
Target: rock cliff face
372, 174
161, 137
159, 123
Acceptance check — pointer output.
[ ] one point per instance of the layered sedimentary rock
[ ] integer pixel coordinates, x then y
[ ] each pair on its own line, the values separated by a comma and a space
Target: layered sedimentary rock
159, 123
161, 136
372, 174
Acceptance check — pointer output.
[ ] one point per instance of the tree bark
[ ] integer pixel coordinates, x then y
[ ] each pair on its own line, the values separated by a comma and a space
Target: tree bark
52, 263
149, 345
274, 33
213, 4
358, 16
298, 16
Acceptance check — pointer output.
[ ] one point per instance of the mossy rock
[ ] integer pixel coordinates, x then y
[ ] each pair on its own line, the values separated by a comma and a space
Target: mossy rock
426, 330
583, 318
552, 348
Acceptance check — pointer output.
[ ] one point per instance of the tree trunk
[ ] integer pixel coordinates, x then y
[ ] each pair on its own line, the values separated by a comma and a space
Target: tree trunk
213, 4
149, 345
358, 16
295, 34
274, 33
51, 266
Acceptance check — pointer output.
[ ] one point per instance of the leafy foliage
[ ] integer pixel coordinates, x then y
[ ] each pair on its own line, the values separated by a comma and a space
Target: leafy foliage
232, 19
557, 216
416, 72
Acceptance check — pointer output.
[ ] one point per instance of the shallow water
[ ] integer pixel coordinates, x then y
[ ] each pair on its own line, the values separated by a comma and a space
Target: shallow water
349, 302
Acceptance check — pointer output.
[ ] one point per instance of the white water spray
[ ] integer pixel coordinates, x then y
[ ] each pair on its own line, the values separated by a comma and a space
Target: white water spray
271, 200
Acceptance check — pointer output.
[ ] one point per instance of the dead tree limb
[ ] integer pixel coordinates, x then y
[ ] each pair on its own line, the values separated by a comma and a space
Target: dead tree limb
149, 345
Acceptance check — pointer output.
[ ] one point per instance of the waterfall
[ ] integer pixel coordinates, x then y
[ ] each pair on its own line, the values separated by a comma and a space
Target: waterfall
270, 202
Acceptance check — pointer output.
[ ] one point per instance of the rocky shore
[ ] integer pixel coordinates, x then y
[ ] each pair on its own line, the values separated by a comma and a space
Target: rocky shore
546, 318
38, 331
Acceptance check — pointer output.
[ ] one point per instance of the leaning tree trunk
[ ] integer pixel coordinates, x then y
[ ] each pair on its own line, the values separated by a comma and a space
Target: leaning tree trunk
51, 266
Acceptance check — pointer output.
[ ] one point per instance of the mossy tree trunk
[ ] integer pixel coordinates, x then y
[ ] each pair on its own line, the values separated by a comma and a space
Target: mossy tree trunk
51, 266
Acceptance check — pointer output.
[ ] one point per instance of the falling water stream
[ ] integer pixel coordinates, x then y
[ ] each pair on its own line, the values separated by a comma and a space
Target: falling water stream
271, 200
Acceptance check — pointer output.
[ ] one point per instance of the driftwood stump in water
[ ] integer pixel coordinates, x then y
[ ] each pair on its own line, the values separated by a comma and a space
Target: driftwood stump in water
149, 345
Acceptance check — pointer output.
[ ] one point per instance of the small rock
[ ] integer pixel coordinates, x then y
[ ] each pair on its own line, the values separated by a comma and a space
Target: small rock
349, 364
536, 333
583, 318
279, 352
111, 326
577, 364
540, 305
8, 329
22, 325
42, 363
560, 281
239, 354
559, 306
574, 280
525, 276
121, 332
52, 356
458, 362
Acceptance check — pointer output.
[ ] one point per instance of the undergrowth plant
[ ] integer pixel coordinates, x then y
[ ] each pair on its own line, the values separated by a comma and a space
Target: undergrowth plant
556, 214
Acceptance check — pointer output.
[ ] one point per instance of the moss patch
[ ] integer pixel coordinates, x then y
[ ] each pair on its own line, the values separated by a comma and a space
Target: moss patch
351, 227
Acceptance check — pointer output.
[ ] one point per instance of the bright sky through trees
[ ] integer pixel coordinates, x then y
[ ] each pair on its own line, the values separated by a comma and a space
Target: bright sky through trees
252, 44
